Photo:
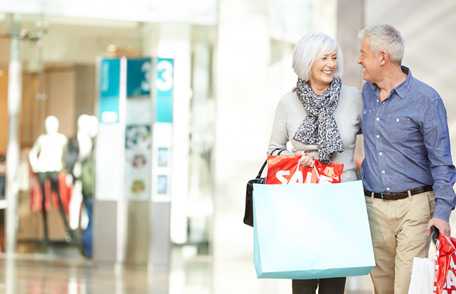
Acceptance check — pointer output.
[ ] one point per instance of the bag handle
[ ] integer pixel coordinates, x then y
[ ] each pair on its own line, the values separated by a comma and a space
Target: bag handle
315, 169
434, 234
261, 169
266, 162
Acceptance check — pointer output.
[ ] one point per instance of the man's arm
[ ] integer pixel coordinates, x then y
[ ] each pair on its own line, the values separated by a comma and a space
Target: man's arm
437, 141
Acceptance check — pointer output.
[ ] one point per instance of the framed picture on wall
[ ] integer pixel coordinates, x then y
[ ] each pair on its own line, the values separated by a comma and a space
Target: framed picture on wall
162, 184
163, 157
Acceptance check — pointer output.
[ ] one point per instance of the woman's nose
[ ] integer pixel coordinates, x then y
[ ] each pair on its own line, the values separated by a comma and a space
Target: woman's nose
332, 64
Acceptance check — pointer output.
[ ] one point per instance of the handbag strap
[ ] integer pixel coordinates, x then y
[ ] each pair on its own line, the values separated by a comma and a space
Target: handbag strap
261, 169
266, 162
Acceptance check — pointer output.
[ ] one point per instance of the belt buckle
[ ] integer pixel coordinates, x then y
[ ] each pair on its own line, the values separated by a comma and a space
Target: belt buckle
382, 195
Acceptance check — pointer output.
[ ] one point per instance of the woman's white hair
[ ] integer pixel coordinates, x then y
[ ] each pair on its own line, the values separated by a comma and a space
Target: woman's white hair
311, 47
385, 37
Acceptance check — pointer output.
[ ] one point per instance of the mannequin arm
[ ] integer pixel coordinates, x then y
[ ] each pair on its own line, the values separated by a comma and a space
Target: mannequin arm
33, 155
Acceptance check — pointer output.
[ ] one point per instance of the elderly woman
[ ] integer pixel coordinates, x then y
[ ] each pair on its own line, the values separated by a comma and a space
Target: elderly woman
320, 119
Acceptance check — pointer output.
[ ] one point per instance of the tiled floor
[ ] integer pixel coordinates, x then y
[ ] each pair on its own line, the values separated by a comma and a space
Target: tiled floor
37, 274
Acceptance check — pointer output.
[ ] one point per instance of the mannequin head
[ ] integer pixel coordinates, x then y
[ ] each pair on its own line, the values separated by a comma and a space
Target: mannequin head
83, 125
93, 126
87, 125
52, 125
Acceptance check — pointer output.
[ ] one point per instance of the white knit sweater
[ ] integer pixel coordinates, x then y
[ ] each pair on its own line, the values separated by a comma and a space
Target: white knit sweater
290, 113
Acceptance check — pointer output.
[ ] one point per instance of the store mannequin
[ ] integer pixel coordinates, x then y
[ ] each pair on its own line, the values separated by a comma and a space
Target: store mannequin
86, 132
85, 171
80, 147
46, 161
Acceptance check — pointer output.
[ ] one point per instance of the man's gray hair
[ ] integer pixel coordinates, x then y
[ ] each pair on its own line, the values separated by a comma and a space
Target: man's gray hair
385, 37
309, 48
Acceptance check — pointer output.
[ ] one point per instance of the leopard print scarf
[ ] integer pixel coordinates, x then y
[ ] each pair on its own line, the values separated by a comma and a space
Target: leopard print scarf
320, 127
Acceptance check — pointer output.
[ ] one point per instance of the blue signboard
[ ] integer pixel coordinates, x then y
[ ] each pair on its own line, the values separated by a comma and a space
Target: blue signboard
164, 84
109, 90
138, 77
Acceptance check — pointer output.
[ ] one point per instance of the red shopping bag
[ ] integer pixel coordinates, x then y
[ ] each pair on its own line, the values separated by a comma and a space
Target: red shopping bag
285, 169
51, 197
445, 271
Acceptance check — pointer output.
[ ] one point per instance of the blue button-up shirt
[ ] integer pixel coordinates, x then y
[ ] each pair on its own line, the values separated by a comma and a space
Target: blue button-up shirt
407, 143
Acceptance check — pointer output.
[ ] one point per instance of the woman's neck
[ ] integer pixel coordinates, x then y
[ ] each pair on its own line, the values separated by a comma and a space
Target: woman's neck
318, 87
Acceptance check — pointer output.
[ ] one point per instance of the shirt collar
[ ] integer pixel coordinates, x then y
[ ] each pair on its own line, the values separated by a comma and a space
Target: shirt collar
403, 88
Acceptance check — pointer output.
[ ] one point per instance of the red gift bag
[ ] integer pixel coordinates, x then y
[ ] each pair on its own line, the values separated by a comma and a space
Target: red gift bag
445, 271
285, 169
35, 194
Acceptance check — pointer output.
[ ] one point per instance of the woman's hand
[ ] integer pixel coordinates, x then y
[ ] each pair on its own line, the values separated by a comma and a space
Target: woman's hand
306, 159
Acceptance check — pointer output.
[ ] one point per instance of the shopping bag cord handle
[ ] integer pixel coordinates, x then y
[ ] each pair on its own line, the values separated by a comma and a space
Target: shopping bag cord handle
266, 161
434, 234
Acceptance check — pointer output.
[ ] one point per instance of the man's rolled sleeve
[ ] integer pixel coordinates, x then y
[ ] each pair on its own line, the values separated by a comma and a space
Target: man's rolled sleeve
443, 207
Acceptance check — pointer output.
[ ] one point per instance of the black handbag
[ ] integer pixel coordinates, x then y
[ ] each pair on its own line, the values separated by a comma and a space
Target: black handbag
248, 212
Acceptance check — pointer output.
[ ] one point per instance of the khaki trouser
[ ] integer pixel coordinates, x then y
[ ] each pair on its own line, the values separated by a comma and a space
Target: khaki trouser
398, 229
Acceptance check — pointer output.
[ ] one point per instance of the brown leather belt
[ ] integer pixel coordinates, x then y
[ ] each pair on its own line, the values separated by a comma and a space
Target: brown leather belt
398, 195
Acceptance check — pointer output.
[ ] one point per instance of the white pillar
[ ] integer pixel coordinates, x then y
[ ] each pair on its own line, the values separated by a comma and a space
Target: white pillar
175, 42
12, 156
324, 16
241, 74
350, 20
245, 104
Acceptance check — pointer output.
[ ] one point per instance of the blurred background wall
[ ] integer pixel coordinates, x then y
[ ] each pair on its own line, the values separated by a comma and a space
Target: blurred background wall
234, 67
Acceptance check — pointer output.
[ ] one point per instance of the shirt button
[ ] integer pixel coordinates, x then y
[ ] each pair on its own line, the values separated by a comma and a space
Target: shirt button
383, 172
377, 119
380, 153
397, 120
387, 189
378, 136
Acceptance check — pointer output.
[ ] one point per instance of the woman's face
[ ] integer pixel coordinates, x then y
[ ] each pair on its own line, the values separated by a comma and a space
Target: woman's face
324, 68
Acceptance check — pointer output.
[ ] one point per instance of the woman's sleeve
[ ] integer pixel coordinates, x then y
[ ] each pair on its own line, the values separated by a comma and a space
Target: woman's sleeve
279, 135
359, 110
358, 151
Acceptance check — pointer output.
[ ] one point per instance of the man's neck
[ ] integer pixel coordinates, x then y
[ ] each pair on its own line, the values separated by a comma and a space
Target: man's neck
392, 78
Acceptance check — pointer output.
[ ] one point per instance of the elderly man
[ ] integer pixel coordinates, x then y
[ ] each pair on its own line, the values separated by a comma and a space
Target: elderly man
407, 171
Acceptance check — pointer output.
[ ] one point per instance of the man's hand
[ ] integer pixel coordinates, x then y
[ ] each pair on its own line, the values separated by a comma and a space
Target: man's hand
443, 226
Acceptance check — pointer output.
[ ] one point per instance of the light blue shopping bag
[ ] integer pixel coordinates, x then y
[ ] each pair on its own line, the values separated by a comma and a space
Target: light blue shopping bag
311, 231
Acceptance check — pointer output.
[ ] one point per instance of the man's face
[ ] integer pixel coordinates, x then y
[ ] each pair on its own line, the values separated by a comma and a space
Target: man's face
370, 61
